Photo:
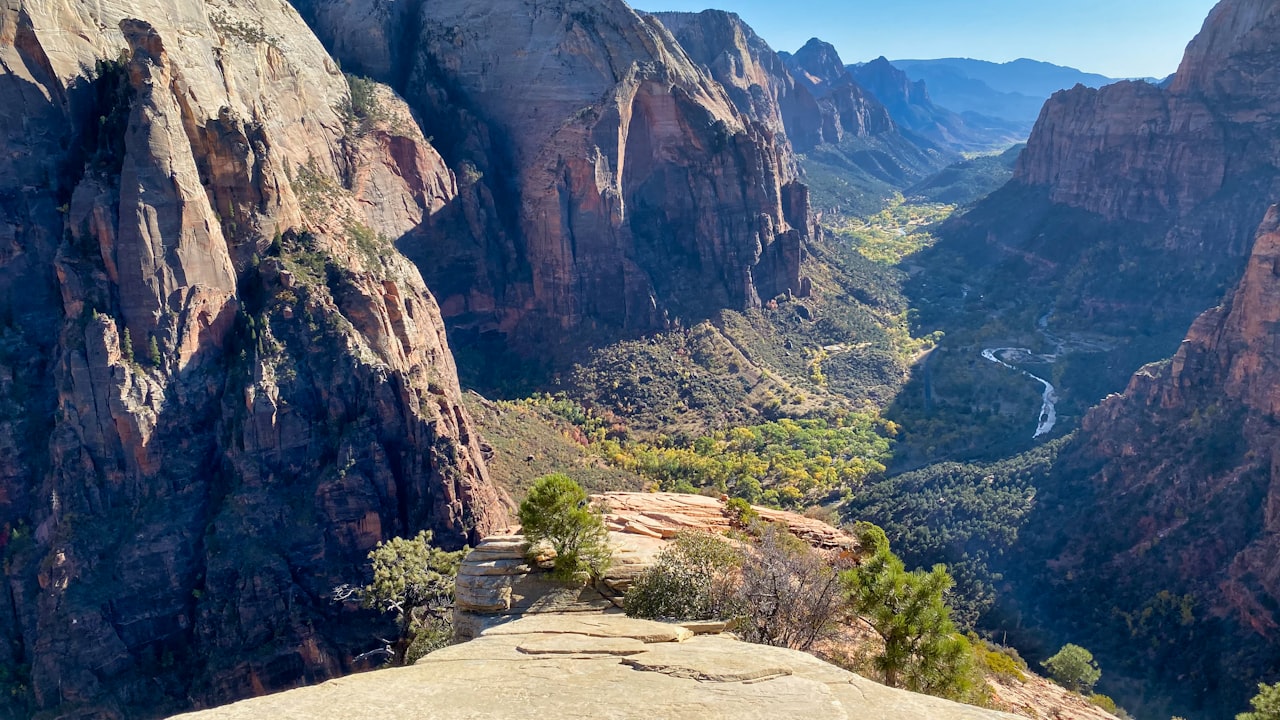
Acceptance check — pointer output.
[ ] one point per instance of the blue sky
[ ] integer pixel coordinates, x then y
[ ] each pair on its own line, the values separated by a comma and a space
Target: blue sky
1119, 38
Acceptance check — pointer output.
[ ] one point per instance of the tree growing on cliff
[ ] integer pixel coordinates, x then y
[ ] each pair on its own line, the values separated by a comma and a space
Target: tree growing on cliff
414, 580
557, 511
922, 650
1266, 704
1073, 667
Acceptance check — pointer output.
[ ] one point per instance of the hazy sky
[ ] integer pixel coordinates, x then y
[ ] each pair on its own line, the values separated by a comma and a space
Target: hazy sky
1119, 38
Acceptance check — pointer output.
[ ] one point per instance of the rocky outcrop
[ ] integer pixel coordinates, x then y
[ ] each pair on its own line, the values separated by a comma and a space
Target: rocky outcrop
756, 77
615, 187
496, 582
222, 385
847, 108
559, 666
1138, 152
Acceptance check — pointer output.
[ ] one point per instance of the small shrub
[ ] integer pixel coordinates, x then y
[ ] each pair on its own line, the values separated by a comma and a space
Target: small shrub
790, 593
740, 512
1104, 702
691, 579
557, 511
1001, 665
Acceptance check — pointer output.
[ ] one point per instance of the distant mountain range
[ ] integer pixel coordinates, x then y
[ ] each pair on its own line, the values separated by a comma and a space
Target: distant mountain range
1014, 90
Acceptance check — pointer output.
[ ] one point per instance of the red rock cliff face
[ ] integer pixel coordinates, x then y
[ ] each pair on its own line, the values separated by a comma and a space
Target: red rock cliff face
1132, 151
635, 191
756, 78
221, 384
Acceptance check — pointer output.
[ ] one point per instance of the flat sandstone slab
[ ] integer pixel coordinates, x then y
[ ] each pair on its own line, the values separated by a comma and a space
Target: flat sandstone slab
706, 678
608, 626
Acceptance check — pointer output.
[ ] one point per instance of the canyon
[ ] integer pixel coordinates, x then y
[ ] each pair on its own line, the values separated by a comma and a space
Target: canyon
234, 278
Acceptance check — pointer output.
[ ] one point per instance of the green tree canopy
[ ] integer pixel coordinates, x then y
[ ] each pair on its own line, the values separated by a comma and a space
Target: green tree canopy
414, 580
1073, 667
557, 511
1266, 704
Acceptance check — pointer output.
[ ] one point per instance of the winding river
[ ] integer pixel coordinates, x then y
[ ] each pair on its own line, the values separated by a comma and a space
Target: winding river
1048, 406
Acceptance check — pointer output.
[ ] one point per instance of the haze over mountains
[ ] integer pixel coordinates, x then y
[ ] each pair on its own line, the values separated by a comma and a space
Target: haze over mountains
1012, 91
233, 280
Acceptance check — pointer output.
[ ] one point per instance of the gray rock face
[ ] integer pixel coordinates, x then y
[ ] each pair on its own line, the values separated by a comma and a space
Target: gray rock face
615, 667
220, 383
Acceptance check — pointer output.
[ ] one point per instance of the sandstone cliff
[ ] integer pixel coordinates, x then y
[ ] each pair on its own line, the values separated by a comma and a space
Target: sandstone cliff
221, 383
565, 665
1180, 479
608, 182
1132, 209
1180, 159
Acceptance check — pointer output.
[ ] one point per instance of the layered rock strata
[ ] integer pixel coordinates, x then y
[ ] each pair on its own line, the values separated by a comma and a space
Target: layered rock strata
496, 583
222, 385
606, 180
1136, 152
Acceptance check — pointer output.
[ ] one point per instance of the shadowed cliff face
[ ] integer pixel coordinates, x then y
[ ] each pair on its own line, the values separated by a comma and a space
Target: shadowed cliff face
607, 181
221, 384
1160, 532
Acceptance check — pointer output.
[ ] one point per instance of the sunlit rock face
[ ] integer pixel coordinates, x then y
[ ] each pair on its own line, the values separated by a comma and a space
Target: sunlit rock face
606, 180
221, 384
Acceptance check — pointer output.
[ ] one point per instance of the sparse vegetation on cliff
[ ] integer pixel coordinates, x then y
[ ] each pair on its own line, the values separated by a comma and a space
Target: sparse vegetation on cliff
413, 580
557, 511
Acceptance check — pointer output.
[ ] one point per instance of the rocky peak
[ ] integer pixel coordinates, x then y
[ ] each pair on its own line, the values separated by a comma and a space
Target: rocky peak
820, 64
755, 77
846, 108
889, 84
1234, 29
1134, 151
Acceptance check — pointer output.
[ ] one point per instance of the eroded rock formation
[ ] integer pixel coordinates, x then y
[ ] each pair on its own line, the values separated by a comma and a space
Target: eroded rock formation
495, 583
610, 184
222, 385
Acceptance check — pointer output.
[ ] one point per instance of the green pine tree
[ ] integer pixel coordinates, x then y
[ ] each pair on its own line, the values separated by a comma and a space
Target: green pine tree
414, 580
153, 352
557, 511
922, 650
1073, 667
126, 346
